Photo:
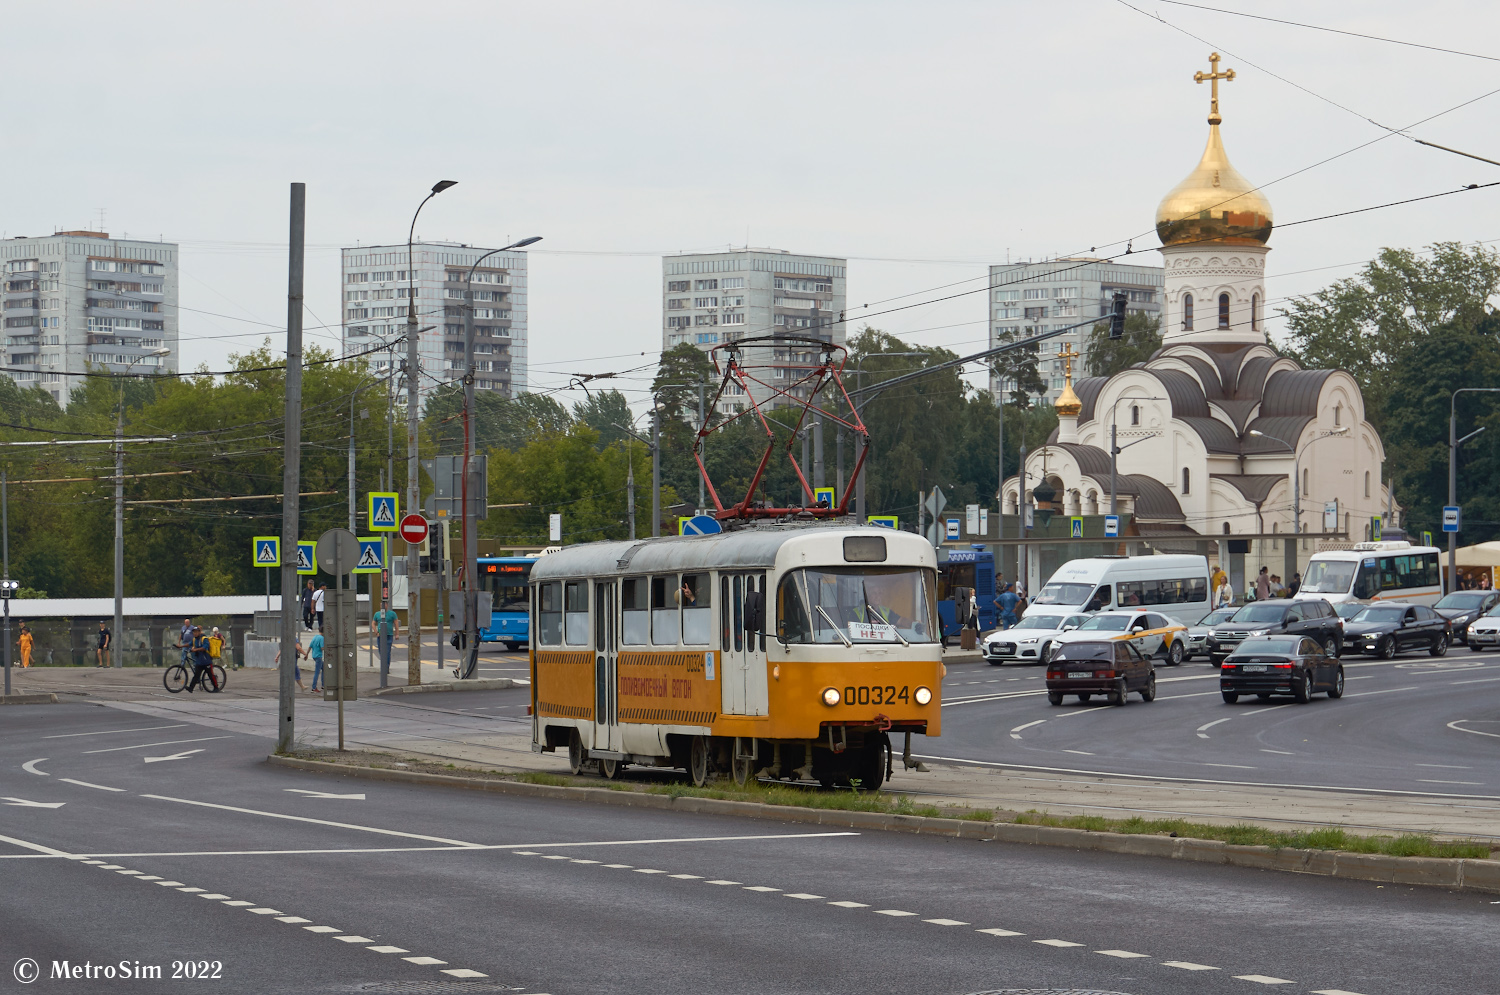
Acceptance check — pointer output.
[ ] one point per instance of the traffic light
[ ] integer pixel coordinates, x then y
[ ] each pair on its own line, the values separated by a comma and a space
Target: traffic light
1117, 317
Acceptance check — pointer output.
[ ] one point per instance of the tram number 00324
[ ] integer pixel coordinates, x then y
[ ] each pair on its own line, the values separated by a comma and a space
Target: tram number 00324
877, 695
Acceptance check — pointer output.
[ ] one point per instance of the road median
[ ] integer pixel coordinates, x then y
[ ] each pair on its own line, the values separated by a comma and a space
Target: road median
1455, 873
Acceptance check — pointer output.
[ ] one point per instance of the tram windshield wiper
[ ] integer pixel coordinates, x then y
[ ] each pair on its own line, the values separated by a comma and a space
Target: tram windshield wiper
836, 630
871, 609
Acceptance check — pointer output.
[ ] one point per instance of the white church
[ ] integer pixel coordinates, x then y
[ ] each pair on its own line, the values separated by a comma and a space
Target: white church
1219, 436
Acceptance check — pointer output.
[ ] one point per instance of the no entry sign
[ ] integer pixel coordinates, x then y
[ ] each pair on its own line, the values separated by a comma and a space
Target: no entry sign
414, 529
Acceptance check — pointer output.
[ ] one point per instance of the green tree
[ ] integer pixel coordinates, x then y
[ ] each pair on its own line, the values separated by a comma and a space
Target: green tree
604, 412
499, 421
1371, 323
682, 368
1140, 341
1018, 367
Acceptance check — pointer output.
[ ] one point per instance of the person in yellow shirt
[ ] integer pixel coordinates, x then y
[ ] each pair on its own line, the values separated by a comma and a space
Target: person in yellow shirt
216, 647
26, 642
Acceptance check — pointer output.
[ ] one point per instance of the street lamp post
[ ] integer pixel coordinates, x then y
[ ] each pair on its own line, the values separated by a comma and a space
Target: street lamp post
470, 665
116, 650
413, 479
1297, 484
1453, 443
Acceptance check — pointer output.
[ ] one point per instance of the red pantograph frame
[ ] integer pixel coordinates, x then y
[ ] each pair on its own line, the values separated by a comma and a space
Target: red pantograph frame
733, 371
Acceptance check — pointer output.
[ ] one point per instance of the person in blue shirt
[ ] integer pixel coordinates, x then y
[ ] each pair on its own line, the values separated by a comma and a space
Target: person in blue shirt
201, 660
315, 650
1007, 604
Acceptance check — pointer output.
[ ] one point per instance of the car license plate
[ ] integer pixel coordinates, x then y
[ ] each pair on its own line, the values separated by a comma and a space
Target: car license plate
1254, 669
1075, 674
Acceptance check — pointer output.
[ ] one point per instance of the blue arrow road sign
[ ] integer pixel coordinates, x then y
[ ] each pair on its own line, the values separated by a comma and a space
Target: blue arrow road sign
698, 525
884, 521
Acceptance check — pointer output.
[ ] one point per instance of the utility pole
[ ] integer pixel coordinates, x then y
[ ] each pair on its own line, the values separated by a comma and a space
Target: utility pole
291, 477
819, 474
630, 483
116, 653
5, 568
655, 468
705, 449
352, 398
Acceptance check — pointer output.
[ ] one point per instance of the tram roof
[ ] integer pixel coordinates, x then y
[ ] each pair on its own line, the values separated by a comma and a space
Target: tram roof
755, 547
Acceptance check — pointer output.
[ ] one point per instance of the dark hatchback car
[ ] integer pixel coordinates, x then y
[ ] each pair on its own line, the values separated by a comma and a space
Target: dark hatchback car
1267, 665
1462, 607
1110, 667
1312, 617
1388, 628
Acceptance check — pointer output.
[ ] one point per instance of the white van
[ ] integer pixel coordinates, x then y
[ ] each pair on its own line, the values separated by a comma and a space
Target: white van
1375, 571
1175, 586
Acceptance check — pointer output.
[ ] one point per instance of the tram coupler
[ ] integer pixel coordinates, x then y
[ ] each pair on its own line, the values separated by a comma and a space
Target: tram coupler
907, 761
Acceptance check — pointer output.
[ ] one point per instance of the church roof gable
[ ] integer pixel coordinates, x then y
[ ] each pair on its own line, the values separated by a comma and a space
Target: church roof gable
1255, 486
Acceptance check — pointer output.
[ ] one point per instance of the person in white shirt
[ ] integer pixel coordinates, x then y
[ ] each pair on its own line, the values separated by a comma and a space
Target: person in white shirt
318, 597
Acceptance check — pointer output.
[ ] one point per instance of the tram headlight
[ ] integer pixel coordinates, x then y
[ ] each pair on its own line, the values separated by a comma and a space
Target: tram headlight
830, 696
922, 696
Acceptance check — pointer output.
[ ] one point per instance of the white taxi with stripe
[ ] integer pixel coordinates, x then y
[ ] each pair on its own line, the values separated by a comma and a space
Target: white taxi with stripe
1153, 633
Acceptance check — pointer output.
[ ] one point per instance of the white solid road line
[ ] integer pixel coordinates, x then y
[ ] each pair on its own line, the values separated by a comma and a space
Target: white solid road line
1364, 694
39, 848
1016, 732
85, 784
30, 767
176, 756
1454, 725
318, 822
115, 732
1202, 734
142, 746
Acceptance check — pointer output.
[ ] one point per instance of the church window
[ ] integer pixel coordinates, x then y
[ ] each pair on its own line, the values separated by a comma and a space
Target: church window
1338, 418
1187, 312
1223, 310
1255, 312
1135, 414
1275, 543
1305, 488
1226, 528
1186, 481
1367, 483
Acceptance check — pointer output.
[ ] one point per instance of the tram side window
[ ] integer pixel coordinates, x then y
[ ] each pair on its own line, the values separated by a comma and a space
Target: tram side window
576, 612
726, 639
664, 610
549, 613
696, 597
636, 630
791, 615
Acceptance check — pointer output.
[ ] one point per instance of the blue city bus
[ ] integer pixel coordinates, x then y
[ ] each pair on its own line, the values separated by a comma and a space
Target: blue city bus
506, 577
972, 568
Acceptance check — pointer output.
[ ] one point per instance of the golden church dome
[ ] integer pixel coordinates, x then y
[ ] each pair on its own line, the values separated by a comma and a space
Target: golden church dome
1068, 403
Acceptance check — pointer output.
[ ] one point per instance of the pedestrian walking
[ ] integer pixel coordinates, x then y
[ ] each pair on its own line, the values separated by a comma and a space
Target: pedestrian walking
1294, 586
296, 670
315, 650
387, 628
1263, 584
317, 604
185, 642
307, 606
104, 637
1007, 604
1224, 593
26, 642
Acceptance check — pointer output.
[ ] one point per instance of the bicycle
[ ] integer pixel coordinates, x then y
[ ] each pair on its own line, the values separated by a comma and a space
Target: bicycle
178, 677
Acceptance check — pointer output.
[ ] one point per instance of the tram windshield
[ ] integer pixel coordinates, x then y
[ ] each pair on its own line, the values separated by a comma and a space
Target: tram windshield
856, 605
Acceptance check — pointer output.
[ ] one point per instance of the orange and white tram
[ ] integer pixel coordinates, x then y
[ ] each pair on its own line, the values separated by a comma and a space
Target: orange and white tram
788, 651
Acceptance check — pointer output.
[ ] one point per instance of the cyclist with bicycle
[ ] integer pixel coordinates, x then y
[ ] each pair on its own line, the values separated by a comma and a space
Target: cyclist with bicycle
202, 661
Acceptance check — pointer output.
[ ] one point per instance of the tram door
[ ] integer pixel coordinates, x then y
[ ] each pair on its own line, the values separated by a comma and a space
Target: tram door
606, 666
742, 600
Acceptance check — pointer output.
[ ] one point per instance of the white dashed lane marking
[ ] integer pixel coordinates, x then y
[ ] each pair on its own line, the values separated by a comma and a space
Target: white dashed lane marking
1057, 943
1123, 954
1264, 979
893, 912
1000, 932
1188, 965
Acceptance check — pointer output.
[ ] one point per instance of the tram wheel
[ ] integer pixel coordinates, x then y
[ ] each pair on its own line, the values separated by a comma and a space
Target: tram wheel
698, 761
576, 757
741, 768
870, 768
610, 769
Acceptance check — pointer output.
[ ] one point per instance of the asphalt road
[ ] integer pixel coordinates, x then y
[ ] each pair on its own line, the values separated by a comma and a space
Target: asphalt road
128, 839
1414, 725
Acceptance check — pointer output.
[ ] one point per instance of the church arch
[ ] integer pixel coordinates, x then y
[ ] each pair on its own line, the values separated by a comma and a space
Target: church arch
1187, 312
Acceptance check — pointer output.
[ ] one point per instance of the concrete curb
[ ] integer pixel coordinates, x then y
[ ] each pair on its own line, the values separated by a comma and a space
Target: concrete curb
1444, 872
29, 699
482, 684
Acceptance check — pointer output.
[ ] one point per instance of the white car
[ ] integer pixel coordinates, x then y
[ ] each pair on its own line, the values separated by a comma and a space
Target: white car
1197, 637
1031, 639
1153, 633
1484, 632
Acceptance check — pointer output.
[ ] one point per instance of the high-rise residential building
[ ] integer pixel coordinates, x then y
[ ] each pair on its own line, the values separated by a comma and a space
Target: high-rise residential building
80, 300
1031, 298
374, 284
711, 298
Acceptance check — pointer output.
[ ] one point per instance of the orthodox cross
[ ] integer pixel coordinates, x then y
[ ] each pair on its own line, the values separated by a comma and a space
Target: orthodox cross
1067, 354
1213, 76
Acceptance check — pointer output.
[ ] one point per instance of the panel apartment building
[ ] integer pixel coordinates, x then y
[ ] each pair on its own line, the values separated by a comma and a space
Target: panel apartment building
375, 282
80, 300
713, 298
1031, 298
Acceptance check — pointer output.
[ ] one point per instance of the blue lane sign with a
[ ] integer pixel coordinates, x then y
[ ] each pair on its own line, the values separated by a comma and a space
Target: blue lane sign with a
266, 551
1111, 526
1451, 517
884, 521
825, 494
307, 557
371, 555
698, 525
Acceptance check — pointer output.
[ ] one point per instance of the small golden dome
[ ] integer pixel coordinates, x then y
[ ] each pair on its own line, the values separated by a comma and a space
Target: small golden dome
1214, 203
1068, 404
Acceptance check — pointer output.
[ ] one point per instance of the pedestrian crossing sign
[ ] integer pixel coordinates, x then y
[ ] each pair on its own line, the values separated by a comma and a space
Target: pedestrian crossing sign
371, 555
307, 557
383, 512
884, 521
1077, 524
266, 551
821, 494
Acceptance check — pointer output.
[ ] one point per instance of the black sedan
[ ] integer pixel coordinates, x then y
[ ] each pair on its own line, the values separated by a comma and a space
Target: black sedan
1462, 607
1386, 629
1113, 668
1267, 665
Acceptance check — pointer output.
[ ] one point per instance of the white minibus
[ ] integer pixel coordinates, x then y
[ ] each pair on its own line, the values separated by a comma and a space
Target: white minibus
1175, 586
1374, 571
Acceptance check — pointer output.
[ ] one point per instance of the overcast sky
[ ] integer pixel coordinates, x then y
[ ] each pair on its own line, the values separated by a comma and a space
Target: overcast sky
921, 141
